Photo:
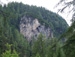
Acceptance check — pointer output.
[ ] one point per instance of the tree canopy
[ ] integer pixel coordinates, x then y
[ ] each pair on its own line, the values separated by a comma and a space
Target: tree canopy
10, 35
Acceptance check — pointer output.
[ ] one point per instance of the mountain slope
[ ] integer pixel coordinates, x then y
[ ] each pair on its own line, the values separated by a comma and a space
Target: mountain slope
10, 36
57, 24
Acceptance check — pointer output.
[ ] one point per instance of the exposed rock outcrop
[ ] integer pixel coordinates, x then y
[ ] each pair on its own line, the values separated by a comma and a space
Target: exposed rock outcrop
30, 27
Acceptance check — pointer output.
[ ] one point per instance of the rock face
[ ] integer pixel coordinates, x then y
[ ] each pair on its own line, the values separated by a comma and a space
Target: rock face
30, 27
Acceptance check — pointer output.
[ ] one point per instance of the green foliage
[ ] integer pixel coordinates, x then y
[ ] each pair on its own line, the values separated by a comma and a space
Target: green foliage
9, 33
43, 48
18, 46
57, 24
8, 54
70, 40
39, 47
37, 55
69, 36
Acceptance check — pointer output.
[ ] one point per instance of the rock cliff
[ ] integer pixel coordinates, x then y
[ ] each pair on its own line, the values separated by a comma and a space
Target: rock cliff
31, 27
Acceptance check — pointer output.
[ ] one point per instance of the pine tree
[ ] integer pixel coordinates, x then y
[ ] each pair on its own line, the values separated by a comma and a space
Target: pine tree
38, 47
69, 46
9, 53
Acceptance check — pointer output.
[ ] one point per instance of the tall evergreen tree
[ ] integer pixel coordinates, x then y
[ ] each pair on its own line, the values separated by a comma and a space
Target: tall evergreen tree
38, 48
70, 34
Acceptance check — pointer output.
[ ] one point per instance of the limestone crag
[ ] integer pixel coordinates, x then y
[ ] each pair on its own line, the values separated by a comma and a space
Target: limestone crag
31, 27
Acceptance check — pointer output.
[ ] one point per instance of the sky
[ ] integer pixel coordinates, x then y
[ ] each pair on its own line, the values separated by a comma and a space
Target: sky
50, 5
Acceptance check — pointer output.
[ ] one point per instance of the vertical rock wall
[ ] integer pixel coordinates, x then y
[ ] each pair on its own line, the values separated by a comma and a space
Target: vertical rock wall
30, 27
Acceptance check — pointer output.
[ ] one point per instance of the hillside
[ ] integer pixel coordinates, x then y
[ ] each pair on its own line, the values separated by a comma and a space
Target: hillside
57, 24
10, 37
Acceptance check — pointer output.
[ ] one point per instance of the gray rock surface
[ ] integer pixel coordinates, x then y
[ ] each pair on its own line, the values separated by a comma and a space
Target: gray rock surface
30, 27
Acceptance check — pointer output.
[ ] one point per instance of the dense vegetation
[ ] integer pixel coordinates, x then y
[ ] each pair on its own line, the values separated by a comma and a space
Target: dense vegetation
13, 44
57, 24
